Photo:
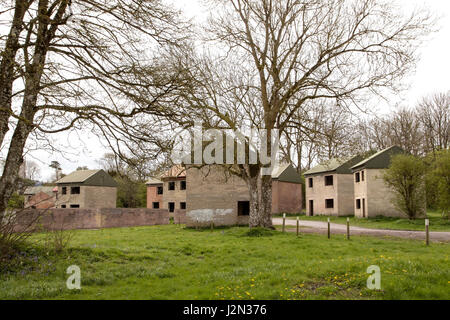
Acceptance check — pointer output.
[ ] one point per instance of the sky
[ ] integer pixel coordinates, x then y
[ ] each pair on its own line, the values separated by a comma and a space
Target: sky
432, 75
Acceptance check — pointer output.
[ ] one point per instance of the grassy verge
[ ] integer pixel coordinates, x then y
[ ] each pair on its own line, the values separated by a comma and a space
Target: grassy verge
437, 223
169, 262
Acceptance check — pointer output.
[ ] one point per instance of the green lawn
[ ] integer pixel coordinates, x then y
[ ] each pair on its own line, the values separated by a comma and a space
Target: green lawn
437, 223
170, 262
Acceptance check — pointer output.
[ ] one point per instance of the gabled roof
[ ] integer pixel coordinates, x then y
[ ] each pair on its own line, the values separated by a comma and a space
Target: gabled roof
97, 178
153, 181
177, 171
31, 191
340, 166
380, 160
286, 173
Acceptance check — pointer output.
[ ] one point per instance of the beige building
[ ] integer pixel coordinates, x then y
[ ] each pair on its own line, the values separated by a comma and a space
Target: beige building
329, 188
87, 189
214, 195
40, 197
210, 194
372, 196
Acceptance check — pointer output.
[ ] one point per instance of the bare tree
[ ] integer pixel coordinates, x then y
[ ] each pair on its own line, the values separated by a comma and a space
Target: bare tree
434, 115
281, 56
72, 65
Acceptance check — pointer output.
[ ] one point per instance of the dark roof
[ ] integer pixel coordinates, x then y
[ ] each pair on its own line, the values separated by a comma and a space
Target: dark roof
286, 173
339, 166
380, 160
96, 178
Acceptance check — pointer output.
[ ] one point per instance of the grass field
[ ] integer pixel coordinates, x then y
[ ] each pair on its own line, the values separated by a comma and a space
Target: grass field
170, 262
437, 223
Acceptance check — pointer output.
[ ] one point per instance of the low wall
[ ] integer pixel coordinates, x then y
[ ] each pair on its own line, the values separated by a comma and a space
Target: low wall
71, 219
179, 216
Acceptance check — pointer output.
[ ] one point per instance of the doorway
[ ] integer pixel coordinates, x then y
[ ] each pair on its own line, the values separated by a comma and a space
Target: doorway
311, 208
364, 207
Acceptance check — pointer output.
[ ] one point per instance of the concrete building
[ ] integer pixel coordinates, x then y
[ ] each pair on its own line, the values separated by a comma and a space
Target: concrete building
372, 196
169, 191
40, 197
329, 188
214, 195
87, 189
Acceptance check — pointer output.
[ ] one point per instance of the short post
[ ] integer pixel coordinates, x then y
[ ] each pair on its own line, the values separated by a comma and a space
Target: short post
427, 231
284, 222
212, 226
298, 226
348, 228
329, 229
197, 226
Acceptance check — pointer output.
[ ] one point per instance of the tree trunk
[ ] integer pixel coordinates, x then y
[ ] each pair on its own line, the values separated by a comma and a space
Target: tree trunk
260, 191
7, 67
266, 202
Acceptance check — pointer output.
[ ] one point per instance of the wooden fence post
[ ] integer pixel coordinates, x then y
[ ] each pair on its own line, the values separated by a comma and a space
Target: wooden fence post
427, 231
348, 228
298, 226
284, 222
329, 229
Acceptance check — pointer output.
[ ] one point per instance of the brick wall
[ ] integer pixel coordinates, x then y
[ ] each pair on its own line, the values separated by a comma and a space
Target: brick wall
72, 219
153, 196
286, 197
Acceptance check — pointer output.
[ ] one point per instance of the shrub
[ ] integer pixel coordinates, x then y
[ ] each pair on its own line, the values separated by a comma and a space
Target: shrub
406, 177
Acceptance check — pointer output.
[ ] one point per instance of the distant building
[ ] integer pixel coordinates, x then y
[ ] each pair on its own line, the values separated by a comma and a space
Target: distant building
210, 194
329, 188
41, 197
372, 196
87, 189
169, 191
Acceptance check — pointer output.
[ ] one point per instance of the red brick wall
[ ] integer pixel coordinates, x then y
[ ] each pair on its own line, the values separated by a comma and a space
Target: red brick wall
153, 196
71, 219
286, 197
40, 200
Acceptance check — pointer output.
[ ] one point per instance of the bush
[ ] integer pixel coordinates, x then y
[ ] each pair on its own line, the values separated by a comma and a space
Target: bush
439, 181
406, 177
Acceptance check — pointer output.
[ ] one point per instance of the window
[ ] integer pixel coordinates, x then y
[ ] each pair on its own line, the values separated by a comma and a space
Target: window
329, 180
171, 207
64, 190
311, 182
75, 190
63, 206
29, 198
243, 208
155, 205
182, 185
183, 205
171, 186
357, 177
329, 203
358, 204
362, 175
74, 206
160, 190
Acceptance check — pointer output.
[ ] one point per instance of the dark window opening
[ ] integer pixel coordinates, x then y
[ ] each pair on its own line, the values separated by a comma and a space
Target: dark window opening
243, 208
358, 203
33, 207
362, 175
160, 190
311, 182
357, 177
155, 205
182, 185
171, 186
74, 206
183, 205
64, 190
63, 206
75, 190
329, 203
171, 207
329, 180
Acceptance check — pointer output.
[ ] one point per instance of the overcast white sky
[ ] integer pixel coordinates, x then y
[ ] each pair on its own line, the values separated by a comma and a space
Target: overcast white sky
432, 76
